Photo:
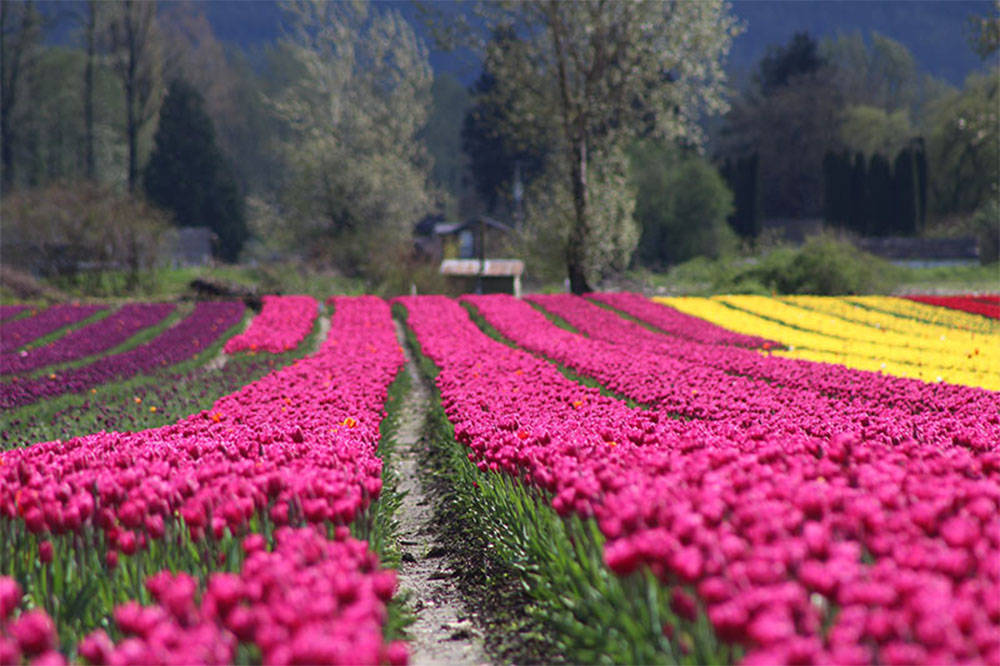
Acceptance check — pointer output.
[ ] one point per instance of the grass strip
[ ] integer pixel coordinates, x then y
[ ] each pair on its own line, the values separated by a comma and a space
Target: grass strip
541, 578
377, 524
141, 337
554, 318
63, 330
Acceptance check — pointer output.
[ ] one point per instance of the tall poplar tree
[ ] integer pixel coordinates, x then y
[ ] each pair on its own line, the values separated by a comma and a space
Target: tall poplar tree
608, 72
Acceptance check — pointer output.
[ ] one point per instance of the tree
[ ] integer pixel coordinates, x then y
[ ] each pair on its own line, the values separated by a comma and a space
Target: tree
443, 135
781, 64
681, 204
743, 178
497, 147
984, 32
906, 209
879, 196
610, 72
188, 175
134, 49
20, 27
963, 145
869, 130
857, 199
788, 117
359, 172
90, 159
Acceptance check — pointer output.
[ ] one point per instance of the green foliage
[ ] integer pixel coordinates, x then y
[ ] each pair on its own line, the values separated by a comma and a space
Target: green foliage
984, 32
963, 145
985, 225
781, 64
742, 176
823, 266
612, 230
681, 204
188, 175
443, 134
595, 72
870, 130
788, 126
496, 147
358, 175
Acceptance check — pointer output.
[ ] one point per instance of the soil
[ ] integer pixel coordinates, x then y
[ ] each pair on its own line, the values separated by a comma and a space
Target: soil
444, 632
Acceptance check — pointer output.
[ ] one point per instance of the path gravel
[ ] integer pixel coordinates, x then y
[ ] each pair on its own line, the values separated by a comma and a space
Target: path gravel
443, 632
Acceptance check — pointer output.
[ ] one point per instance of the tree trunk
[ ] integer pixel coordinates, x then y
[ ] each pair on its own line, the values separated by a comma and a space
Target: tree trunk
90, 163
131, 122
576, 247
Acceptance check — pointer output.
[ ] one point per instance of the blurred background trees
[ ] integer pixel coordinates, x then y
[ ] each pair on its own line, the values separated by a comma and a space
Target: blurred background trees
608, 134
189, 176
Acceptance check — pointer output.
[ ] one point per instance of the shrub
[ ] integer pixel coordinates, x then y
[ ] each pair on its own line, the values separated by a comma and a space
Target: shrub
824, 266
81, 232
985, 225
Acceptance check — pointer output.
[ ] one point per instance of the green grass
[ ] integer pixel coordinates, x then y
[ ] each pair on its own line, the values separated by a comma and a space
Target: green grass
951, 279
173, 283
826, 266
576, 610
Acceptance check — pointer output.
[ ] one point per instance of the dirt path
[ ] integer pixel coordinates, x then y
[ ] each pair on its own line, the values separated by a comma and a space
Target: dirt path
442, 632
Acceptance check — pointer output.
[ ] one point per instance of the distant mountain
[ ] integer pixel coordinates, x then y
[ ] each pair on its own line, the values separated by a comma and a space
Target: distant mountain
933, 30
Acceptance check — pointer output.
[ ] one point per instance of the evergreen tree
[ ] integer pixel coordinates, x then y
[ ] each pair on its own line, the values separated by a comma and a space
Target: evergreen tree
743, 178
836, 188
920, 161
857, 218
188, 175
905, 180
879, 209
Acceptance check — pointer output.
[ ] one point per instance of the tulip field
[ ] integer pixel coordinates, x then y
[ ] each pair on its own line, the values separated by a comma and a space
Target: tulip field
734, 479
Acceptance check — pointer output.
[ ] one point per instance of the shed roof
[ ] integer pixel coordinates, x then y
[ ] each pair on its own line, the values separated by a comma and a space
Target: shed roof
490, 268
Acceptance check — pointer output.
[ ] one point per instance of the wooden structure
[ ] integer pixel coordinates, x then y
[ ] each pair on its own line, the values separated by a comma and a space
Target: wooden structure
461, 247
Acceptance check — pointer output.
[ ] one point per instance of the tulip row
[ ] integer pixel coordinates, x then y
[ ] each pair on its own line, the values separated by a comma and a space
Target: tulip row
308, 601
284, 321
257, 458
92, 339
145, 401
828, 379
11, 311
939, 335
737, 393
196, 332
761, 315
20, 332
812, 313
904, 307
676, 323
803, 548
971, 304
